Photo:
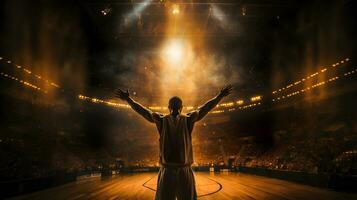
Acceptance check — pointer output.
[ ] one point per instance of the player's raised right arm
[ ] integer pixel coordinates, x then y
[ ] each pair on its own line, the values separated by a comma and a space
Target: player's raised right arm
209, 105
137, 107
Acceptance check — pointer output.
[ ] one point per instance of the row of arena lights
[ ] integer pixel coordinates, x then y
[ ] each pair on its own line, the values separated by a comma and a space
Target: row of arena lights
229, 105
31, 73
319, 84
232, 106
312, 75
25, 83
254, 101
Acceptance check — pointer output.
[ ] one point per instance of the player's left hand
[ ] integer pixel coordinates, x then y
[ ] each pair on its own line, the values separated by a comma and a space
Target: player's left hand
226, 91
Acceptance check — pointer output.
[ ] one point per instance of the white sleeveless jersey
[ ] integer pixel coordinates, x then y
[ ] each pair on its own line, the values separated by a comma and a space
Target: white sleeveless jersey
175, 141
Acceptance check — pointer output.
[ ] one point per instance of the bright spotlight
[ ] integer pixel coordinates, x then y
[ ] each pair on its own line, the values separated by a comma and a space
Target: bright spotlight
106, 11
174, 51
175, 10
219, 15
138, 9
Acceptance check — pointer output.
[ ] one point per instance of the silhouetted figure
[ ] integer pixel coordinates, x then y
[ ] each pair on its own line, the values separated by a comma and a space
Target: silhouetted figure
175, 179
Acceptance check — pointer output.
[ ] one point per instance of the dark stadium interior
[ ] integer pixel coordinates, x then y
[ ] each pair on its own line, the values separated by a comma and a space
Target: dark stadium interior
292, 113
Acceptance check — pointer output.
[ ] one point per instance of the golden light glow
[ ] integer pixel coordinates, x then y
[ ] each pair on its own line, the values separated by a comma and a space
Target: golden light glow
228, 104
175, 10
249, 106
240, 102
174, 51
97, 100
217, 111
157, 108
256, 98
189, 108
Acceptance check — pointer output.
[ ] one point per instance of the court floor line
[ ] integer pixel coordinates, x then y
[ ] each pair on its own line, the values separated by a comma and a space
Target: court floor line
144, 184
250, 190
219, 189
219, 184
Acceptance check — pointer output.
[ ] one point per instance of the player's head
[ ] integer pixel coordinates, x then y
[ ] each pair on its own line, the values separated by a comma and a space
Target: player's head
175, 104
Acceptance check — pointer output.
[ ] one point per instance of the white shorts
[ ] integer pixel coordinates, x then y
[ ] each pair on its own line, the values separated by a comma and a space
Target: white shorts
176, 183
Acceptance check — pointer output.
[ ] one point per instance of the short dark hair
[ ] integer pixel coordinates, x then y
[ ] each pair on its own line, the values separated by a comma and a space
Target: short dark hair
175, 103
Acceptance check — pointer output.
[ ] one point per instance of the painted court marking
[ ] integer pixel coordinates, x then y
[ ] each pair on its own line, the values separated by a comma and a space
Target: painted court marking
153, 186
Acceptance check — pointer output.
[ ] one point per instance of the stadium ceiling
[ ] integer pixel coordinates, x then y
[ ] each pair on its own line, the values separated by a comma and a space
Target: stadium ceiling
147, 21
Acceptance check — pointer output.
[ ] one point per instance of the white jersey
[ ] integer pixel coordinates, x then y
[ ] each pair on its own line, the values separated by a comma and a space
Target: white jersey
175, 141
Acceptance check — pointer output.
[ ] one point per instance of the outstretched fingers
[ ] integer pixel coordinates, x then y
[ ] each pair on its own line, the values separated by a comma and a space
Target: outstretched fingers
229, 87
121, 94
227, 90
118, 92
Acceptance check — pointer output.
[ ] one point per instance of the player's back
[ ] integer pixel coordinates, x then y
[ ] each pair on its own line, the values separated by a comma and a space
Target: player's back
175, 141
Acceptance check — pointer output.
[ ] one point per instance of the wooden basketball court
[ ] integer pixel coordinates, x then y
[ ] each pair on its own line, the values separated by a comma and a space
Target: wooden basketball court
210, 186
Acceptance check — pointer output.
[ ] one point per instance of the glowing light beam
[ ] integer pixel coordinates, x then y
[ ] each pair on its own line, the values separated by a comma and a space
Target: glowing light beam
138, 9
174, 51
175, 10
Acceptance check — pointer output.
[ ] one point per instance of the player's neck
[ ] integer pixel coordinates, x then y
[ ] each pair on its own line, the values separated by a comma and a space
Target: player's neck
175, 113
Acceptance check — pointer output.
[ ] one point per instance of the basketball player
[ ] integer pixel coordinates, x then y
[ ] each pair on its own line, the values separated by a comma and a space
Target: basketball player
175, 179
